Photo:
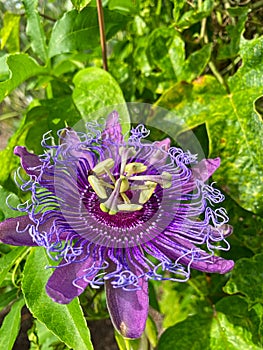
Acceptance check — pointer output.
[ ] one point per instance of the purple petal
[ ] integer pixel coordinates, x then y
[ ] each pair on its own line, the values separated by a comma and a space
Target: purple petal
72, 141
29, 161
165, 144
9, 234
160, 157
112, 131
66, 283
202, 172
128, 309
204, 262
204, 169
213, 264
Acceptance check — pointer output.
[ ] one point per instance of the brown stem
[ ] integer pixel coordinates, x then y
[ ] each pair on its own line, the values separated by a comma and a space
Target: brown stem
102, 34
41, 15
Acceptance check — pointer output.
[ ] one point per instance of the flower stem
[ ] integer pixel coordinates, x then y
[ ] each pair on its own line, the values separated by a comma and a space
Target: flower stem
102, 35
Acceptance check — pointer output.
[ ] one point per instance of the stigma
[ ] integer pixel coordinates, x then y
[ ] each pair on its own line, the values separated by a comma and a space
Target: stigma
125, 186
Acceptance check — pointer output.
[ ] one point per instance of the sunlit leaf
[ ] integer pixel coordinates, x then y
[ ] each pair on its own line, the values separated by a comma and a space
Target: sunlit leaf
96, 89
129, 6
34, 29
65, 321
242, 317
10, 32
195, 63
80, 4
158, 50
235, 129
52, 114
17, 75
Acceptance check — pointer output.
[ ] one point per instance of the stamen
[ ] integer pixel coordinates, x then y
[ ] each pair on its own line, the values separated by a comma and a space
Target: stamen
102, 167
110, 206
125, 153
165, 179
139, 187
129, 207
110, 176
146, 194
134, 168
106, 184
125, 198
124, 184
97, 186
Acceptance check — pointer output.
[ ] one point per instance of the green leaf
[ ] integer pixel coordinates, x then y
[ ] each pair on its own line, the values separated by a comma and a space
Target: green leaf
178, 5
5, 210
8, 260
127, 344
96, 89
243, 318
195, 63
6, 298
4, 70
46, 339
234, 32
10, 32
10, 326
195, 15
52, 115
246, 278
247, 230
159, 44
193, 333
127, 6
17, 75
80, 4
189, 69
34, 29
80, 30
234, 127
209, 331
65, 321
225, 335
166, 53
151, 331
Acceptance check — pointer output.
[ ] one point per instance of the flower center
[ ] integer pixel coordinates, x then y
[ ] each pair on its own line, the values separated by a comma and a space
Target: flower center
128, 188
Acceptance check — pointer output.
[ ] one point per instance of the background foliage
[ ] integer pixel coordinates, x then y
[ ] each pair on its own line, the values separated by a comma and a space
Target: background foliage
202, 59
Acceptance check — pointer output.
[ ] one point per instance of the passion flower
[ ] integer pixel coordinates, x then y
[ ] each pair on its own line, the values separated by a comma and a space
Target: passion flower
119, 211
